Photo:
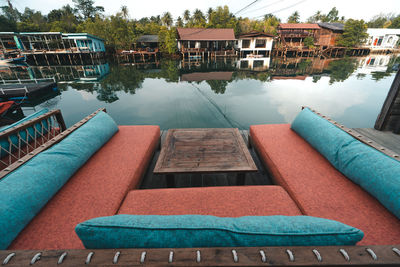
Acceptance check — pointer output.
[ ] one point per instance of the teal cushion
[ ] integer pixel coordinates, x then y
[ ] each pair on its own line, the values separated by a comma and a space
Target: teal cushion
5, 144
374, 171
185, 231
25, 191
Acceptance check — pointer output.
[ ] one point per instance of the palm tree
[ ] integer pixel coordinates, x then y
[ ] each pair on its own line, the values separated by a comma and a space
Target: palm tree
209, 12
125, 12
167, 19
294, 18
186, 16
179, 22
9, 4
198, 17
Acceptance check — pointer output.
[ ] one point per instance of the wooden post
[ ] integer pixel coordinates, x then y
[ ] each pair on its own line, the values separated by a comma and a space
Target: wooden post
389, 101
34, 57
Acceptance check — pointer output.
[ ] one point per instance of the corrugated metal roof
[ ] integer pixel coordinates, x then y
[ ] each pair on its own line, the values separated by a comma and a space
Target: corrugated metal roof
255, 34
306, 26
334, 26
197, 34
84, 34
148, 39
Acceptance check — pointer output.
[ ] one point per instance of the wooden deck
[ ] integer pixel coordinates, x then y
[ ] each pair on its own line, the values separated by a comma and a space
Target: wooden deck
383, 138
151, 180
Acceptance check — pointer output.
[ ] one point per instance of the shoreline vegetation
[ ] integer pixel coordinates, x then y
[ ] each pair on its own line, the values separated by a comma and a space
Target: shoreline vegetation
120, 32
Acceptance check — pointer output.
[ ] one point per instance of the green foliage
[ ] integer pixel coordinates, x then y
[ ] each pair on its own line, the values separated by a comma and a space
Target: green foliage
218, 86
268, 25
385, 21
389, 70
221, 17
377, 22
86, 8
166, 19
199, 19
341, 69
309, 41
11, 14
7, 25
167, 39
179, 22
395, 23
294, 18
332, 16
355, 33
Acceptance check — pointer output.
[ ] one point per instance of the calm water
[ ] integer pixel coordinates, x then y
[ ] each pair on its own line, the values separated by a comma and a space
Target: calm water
175, 94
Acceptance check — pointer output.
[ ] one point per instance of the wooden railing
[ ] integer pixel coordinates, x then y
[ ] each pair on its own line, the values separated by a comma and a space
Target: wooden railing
29, 145
241, 256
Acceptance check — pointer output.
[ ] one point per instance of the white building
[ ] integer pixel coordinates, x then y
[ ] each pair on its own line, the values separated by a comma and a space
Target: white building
382, 38
373, 63
255, 43
254, 63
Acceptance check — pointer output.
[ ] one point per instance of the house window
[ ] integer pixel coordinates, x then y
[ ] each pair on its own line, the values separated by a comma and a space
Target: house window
192, 44
260, 43
245, 43
258, 63
203, 44
244, 64
390, 40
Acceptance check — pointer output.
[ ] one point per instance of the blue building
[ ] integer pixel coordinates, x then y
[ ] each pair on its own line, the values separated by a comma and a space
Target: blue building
47, 41
86, 41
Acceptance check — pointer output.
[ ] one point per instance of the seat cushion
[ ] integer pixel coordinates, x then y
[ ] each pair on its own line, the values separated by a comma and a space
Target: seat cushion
318, 188
375, 172
26, 190
96, 189
233, 201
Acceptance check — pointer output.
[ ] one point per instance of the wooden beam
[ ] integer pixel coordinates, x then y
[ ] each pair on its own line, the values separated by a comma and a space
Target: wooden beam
240, 256
389, 101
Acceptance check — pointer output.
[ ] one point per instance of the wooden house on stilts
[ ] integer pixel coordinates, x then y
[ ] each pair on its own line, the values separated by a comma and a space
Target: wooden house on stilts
198, 43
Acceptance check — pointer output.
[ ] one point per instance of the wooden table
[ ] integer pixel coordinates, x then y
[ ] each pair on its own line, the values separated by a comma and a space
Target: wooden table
204, 151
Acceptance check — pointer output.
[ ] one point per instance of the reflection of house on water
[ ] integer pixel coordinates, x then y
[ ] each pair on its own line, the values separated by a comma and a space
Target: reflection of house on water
254, 63
374, 63
62, 73
207, 76
32, 74
299, 66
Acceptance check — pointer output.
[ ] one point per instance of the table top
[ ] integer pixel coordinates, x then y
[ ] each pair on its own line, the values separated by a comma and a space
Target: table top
204, 151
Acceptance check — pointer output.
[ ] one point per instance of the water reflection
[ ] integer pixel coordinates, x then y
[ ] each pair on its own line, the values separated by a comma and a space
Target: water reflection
219, 93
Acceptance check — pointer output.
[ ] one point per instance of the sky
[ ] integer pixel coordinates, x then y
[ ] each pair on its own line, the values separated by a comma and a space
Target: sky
356, 9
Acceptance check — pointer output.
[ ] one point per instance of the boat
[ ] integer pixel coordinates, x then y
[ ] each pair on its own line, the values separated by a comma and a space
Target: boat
25, 90
11, 58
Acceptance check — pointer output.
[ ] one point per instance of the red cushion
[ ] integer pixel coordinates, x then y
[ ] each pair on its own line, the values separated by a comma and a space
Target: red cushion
234, 201
97, 189
318, 188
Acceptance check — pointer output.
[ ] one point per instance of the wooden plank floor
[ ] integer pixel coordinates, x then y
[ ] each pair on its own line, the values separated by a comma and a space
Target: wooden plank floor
152, 180
384, 138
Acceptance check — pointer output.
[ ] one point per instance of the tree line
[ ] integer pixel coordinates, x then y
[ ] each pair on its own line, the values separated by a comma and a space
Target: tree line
120, 31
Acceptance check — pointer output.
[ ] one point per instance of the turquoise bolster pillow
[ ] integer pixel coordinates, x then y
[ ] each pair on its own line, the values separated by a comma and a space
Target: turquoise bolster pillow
25, 191
374, 171
187, 231
5, 144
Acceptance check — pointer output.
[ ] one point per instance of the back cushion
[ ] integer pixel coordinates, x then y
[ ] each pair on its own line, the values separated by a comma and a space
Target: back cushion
187, 231
25, 191
374, 171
